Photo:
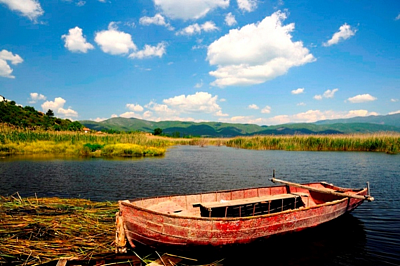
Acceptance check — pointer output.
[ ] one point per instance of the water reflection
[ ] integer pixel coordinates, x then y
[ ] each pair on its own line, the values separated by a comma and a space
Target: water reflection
369, 236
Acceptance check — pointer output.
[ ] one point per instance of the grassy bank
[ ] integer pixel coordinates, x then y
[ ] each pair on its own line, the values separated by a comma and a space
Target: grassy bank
384, 142
24, 141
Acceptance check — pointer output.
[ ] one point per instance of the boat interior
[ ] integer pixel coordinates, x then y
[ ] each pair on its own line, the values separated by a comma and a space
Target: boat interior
241, 203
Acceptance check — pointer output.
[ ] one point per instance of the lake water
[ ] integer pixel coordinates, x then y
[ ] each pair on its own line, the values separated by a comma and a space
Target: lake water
370, 235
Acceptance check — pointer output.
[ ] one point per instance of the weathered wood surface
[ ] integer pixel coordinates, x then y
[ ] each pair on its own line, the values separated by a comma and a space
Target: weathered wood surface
158, 229
228, 203
324, 190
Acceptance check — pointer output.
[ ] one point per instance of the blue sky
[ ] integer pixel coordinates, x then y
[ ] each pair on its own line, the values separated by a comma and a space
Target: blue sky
236, 61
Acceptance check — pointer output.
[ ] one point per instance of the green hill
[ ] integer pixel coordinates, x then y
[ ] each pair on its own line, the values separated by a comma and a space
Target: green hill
28, 117
389, 120
217, 129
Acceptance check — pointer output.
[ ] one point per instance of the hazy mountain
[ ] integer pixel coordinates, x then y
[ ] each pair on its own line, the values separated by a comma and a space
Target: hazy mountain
389, 120
216, 129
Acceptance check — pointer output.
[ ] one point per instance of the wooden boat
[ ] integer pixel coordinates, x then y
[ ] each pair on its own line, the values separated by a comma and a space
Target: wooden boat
233, 217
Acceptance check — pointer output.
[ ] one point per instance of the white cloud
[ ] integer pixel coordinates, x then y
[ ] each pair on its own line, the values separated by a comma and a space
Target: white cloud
197, 29
150, 51
298, 91
395, 112
318, 97
256, 53
199, 85
253, 106
98, 119
75, 42
398, 17
57, 106
158, 19
301, 104
193, 9
219, 113
81, 3
266, 110
113, 41
5, 69
244, 120
344, 33
362, 98
28, 8
311, 116
160, 108
394, 100
130, 115
134, 107
36, 97
230, 19
200, 102
327, 94
67, 112
247, 5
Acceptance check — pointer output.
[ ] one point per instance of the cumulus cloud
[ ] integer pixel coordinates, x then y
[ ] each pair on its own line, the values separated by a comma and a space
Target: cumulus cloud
344, 33
36, 97
150, 51
57, 106
253, 106
197, 29
256, 53
5, 69
158, 19
134, 107
361, 98
113, 41
311, 116
28, 8
298, 91
130, 115
200, 102
327, 94
266, 110
247, 5
394, 100
230, 19
75, 42
194, 9
395, 112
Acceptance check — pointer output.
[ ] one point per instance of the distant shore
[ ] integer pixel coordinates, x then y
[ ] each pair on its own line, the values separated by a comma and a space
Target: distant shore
140, 144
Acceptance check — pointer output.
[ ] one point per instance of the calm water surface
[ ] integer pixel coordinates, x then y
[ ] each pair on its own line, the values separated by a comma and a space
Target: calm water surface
368, 236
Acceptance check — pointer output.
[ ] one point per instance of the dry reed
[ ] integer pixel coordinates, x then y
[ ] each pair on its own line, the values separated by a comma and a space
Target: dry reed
38, 230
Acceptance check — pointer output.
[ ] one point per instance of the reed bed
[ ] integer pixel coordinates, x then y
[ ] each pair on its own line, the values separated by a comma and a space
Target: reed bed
382, 142
38, 230
25, 141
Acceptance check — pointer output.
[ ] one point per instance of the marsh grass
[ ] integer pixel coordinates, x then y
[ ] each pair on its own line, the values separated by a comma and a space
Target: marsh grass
24, 141
382, 142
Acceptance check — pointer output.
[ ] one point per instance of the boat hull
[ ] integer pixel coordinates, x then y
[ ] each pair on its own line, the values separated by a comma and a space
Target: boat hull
155, 229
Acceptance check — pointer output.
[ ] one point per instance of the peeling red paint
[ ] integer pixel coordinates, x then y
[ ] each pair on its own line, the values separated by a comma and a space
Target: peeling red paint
178, 223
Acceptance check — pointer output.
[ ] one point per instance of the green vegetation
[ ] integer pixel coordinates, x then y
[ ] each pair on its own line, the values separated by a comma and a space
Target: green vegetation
26, 141
389, 143
179, 129
28, 117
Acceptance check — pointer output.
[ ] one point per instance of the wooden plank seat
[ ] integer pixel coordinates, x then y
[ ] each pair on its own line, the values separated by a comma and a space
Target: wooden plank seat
250, 206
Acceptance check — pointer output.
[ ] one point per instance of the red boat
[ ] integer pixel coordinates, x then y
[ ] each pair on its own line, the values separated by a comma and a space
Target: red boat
232, 217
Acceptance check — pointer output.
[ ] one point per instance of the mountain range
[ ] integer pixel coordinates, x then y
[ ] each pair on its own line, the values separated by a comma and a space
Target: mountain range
368, 124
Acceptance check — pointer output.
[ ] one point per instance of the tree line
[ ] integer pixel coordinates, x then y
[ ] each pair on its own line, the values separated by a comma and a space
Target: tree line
27, 117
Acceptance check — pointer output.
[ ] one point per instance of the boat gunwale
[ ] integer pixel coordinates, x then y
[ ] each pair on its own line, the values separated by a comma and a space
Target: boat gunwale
127, 203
